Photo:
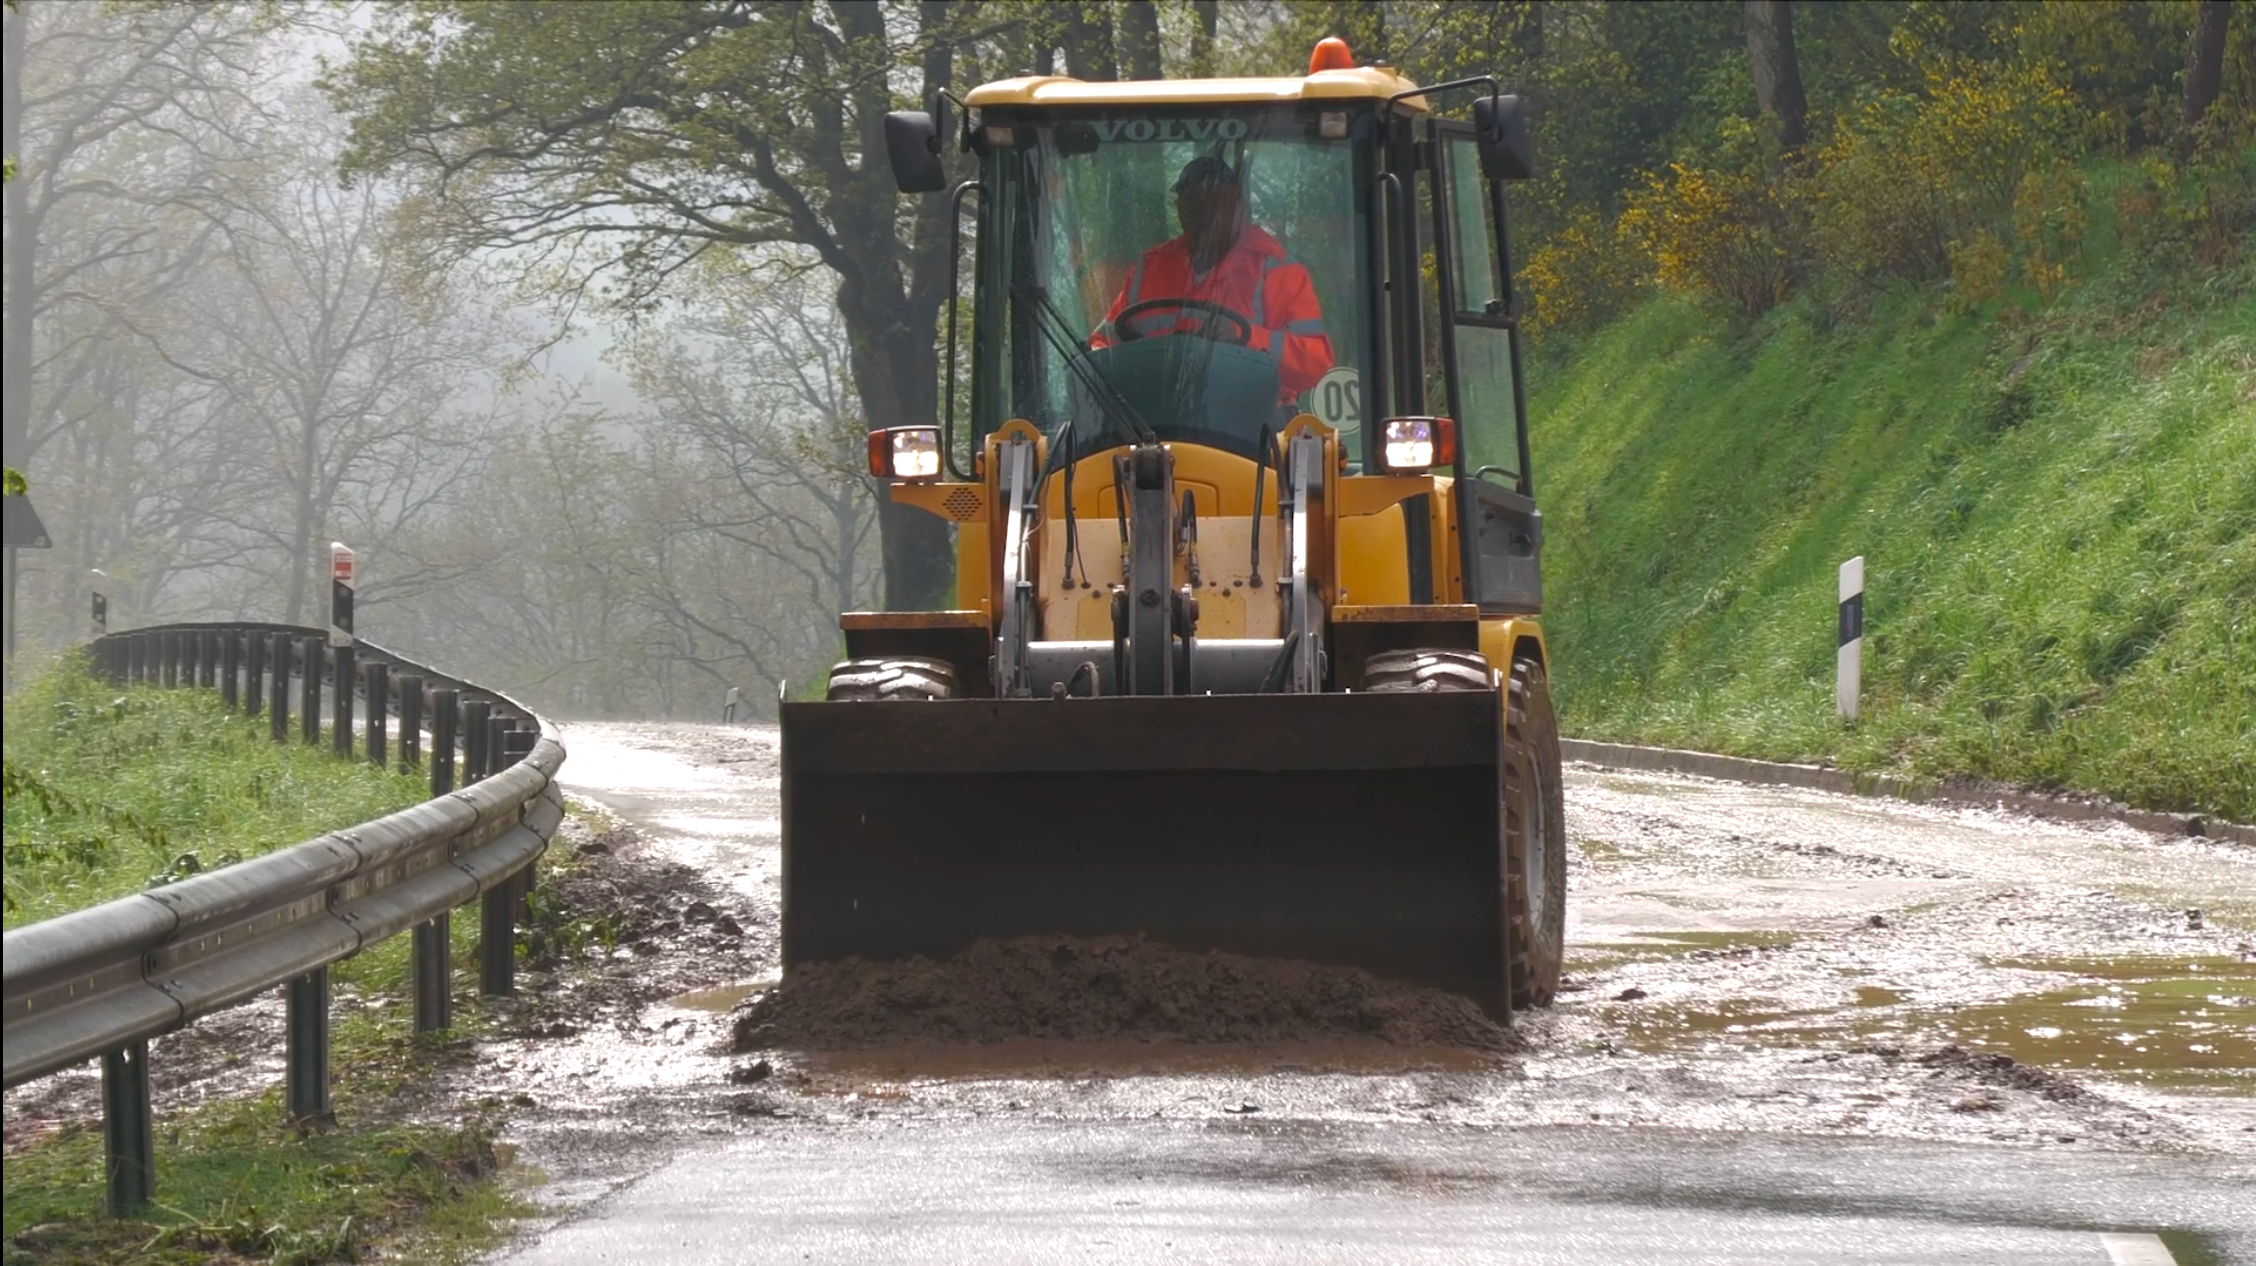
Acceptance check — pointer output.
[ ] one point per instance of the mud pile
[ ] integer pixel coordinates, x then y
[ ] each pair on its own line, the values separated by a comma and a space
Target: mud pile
1992, 1069
1077, 989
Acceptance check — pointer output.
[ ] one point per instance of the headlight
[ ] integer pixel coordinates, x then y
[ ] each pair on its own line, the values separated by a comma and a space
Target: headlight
905, 453
1415, 444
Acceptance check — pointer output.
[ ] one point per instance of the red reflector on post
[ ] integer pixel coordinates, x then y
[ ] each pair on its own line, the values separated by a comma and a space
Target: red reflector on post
1331, 53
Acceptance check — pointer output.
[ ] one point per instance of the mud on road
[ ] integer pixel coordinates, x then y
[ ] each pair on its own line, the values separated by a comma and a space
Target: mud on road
1741, 959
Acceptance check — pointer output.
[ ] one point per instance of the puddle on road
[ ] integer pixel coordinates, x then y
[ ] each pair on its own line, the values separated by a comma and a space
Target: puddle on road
2177, 1022
723, 998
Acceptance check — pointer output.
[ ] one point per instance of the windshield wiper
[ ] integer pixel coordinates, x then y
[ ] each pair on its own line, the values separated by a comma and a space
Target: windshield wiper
1116, 409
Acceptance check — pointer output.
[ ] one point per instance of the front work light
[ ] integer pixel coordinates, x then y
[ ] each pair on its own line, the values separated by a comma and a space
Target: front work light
1416, 444
909, 453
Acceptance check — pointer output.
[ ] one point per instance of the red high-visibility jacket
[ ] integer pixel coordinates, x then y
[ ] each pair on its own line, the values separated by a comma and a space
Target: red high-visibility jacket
1255, 280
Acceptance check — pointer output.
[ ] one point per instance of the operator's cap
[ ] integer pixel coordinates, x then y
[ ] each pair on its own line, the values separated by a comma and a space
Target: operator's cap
1204, 175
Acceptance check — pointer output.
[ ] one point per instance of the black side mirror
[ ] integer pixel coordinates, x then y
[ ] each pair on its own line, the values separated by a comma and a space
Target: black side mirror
912, 141
1500, 128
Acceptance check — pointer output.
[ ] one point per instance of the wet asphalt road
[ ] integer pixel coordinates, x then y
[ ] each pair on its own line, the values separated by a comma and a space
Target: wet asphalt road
1734, 1076
1300, 1193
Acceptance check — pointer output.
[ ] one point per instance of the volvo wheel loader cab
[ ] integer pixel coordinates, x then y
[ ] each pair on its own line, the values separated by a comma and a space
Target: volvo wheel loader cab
1245, 651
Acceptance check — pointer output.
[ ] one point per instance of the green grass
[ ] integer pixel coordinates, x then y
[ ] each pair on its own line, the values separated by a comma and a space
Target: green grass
143, 784
2058, 524
234, 1182
134, 780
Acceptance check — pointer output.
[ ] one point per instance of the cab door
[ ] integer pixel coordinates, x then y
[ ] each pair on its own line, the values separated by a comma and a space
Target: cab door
1502, 531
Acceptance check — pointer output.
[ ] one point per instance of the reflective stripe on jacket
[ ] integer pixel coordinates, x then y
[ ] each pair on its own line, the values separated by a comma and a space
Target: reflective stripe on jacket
1254, 280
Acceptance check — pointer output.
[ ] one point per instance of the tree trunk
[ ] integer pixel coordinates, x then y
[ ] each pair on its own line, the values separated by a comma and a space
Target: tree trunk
895, 371
1088, 41
889, 295
15, 391
1209, 15
1139, 40
23, 254
2205, 64
1778, 73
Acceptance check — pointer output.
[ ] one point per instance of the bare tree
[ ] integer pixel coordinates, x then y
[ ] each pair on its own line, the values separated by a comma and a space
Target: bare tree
120, 121
776, 425
352, 384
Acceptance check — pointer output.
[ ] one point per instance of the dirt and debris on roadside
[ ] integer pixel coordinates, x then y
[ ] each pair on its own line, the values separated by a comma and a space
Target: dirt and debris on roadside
1104, 988
615, 928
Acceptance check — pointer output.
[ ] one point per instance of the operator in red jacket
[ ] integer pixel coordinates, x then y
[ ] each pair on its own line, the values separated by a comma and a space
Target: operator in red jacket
1224, 260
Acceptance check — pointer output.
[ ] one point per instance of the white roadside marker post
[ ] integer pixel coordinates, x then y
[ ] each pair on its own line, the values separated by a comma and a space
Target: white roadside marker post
1849, 659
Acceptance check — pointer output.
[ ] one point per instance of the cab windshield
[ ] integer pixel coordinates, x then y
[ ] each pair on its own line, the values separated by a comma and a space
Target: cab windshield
1199, 274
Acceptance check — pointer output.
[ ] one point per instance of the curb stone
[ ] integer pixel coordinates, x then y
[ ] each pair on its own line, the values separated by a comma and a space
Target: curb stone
1952, 792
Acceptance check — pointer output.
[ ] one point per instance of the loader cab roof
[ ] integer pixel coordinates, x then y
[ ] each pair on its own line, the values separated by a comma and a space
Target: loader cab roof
1371, 83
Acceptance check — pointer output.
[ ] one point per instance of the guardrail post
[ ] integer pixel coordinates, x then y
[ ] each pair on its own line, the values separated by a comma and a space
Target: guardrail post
475, 714
379, 680
281, 709
498, 729
515, 746
207, 660
341, 702
497, 940
168, 658
445, 704
411, 722
128, 1132
434, 979
136, 655
309, 687
230, 669
341, 583
309, 1045
254, 674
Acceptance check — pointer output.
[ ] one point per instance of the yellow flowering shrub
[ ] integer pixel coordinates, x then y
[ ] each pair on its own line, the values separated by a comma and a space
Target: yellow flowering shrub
1581, 277
1909, 183
1719, 233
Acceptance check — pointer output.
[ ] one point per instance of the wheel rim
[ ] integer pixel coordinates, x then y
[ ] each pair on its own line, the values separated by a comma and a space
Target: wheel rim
1534, 846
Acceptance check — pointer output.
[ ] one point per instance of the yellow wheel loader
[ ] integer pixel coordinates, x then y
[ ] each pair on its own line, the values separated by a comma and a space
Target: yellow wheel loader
1245, 652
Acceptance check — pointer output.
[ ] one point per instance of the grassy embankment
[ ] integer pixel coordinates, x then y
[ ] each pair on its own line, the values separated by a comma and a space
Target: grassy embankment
145, 784
2057, 517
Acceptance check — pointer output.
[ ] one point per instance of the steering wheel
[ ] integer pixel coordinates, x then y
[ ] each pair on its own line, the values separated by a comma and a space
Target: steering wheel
1125, 327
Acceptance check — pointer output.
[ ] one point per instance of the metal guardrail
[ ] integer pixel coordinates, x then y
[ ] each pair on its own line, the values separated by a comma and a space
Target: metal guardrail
104, 981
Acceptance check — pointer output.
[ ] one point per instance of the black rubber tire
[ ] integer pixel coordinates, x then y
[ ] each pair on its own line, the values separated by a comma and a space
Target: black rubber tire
885, 680
1425, 671
1535, 811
